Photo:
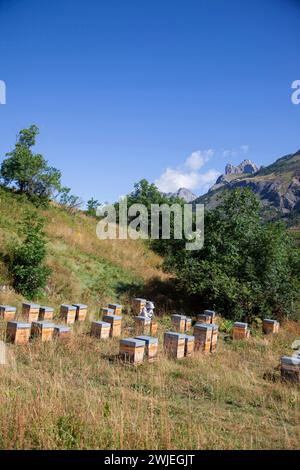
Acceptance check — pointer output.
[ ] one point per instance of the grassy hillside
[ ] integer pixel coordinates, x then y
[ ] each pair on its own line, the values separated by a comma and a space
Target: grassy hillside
77, 395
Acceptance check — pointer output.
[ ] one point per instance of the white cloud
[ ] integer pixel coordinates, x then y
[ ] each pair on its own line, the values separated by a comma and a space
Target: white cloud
187, 176
230, 153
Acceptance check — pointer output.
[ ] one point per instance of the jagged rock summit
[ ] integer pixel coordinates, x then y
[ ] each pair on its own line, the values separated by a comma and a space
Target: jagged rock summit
247, 166
184, 194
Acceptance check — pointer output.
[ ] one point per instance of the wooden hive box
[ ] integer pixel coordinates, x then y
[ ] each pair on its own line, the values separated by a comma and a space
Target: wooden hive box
151, 347
100, 329
7, 312
62, 332
189, 345
203, 337
142, 325
46, 313
174, 344
153, 328
132, 350
202, 318
211, 314
290, 368
188, 324
117, 308
106, 311
178, 323
138, 305
270, 326
115, 324
68, 313
30, 312
214, 338
18, 332
240, 331
42, 330
81, 312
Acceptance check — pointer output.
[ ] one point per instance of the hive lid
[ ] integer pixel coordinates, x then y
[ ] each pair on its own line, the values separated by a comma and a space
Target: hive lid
204, 326
132, 342
46, 324
69, 307
17, 324
147, 339
62, 328
80, 305
240, 324
47, 309
141, 300
31, 305
8, 308
203, 315
290, 360
114, 317
177, 315
140, 317
102, 323
114, 305
189, 338
173, 333
209, 312
269, 320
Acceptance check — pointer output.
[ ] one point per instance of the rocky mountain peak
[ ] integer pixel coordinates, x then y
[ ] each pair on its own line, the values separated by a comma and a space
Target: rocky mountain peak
246, 167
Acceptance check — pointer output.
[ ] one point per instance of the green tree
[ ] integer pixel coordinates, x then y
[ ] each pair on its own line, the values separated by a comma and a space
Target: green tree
29, 172
27, 267
246, 268
92, 205
68, 200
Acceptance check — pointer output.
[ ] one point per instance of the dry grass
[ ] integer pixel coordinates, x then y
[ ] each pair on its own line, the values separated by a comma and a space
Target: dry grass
76, 395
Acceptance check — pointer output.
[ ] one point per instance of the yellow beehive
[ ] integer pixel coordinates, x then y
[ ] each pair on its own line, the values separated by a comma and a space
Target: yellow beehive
290, 369
189, 345
270, 326
132, 350
138, 305
100, 329
106, 311
188, 324
202, 318
81, 312
30, 312
211, 314
46, 313
214, 338
151, 347
115, 324
240, 331
7, 312
18, 332
203, 337
174, 344
117, 308
42, 330
62, 332
178, 323
142, 325
153, 328
68, 313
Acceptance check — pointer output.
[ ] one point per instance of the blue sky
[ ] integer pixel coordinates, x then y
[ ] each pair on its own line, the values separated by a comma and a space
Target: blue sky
165, 90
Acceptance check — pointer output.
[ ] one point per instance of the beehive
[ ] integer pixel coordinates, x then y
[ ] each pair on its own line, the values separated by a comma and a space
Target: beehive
62, 331
188, 324
42, 330
211, 314
117, 308
151, 347
138, 305
132, 350
153, 328
106, 311
178, 323
270, 326
174, 344
203, 318
240, 331
68, 313
30, 312
189, 345
203, 337
142, 325
290, 368
18, 332
100, 329
214, 338
115, 324
46, 313
7, 312
81, 312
